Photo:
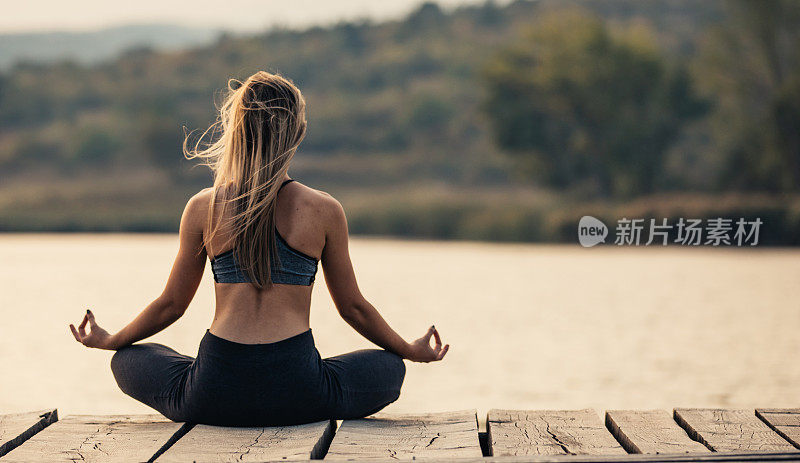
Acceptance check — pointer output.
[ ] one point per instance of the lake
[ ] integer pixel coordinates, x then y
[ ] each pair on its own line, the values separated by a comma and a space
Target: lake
530, 326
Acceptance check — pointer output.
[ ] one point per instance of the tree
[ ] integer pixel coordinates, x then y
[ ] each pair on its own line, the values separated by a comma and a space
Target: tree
162, 143
751, 64
426, 17
586, 109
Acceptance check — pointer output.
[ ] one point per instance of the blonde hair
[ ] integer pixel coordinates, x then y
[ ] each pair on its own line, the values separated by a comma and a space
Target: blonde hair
261, 123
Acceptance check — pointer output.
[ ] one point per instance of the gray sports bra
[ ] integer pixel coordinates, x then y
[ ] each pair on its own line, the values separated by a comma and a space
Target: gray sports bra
293, 267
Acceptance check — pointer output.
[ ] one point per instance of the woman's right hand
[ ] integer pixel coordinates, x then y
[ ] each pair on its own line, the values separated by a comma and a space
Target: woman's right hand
421, 350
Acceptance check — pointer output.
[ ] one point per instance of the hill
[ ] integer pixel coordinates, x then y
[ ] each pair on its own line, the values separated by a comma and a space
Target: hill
94, 46
396, 128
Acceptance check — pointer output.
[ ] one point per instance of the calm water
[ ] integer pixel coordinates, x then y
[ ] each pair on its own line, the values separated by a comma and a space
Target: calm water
530, 326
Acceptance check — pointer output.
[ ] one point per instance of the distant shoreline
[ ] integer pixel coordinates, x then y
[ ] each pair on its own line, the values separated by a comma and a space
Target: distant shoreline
447, 214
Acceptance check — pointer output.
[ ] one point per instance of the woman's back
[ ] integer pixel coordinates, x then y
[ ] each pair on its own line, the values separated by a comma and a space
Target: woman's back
247, 314
257, 365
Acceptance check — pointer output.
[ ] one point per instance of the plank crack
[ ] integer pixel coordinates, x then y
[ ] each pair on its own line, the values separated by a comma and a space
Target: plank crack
250, 446
433, 439
558, 441
85, 441
97, 446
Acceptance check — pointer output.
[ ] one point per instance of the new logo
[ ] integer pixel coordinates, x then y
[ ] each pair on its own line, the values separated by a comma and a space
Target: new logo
591, 231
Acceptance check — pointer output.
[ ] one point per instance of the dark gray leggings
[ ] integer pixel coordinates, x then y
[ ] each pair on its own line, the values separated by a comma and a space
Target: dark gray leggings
281, 383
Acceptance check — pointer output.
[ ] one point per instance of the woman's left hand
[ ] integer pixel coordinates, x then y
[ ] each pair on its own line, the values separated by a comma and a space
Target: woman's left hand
97, 337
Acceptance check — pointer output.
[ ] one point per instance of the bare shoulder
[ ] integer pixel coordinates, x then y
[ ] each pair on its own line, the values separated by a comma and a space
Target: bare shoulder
320, 203
201, 199
196, 211
317, 200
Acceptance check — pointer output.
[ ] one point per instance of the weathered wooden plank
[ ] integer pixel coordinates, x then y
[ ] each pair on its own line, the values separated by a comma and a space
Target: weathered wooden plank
784, 421
549, 432
97, 438
730, 430
223, 444
728, 457
405, 437
18, 427
650, 431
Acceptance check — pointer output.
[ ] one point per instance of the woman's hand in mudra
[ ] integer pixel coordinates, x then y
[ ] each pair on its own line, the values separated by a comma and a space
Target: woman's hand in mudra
96, 337
421, 350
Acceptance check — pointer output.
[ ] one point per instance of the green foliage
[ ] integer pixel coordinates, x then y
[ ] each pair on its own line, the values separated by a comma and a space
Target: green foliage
584, 108
404, 88
395, 119
751, 66
94, 146
162, 142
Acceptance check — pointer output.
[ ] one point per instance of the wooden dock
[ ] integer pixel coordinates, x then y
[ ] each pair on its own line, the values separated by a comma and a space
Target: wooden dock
511, 435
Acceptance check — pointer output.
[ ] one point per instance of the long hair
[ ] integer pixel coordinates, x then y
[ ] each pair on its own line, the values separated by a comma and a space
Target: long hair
261, 123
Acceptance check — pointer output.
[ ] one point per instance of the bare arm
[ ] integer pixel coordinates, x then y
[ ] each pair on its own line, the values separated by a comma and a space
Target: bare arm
355, 309
172, 303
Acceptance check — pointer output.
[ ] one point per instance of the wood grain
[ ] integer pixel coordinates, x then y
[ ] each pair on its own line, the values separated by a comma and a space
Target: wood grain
724, 430
129, 438
549, 432
650, 431
18, 427
223, 444
404, 437
784, 421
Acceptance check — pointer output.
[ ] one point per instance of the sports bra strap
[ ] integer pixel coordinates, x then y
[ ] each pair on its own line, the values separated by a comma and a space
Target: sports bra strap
285, 182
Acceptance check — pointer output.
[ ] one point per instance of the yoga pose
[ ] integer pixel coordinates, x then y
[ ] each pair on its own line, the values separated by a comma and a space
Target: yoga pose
264, 234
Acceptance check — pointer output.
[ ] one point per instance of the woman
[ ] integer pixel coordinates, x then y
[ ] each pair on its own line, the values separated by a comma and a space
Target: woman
263, 233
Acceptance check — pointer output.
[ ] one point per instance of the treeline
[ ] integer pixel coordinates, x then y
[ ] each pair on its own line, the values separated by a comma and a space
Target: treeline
586, 107
607, 100
412, 87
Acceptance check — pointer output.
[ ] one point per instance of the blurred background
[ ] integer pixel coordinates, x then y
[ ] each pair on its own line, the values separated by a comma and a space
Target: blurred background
460, 124
467, 120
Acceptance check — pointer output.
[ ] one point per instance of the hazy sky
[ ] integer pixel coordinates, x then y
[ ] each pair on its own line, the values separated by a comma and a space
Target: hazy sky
236, 15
